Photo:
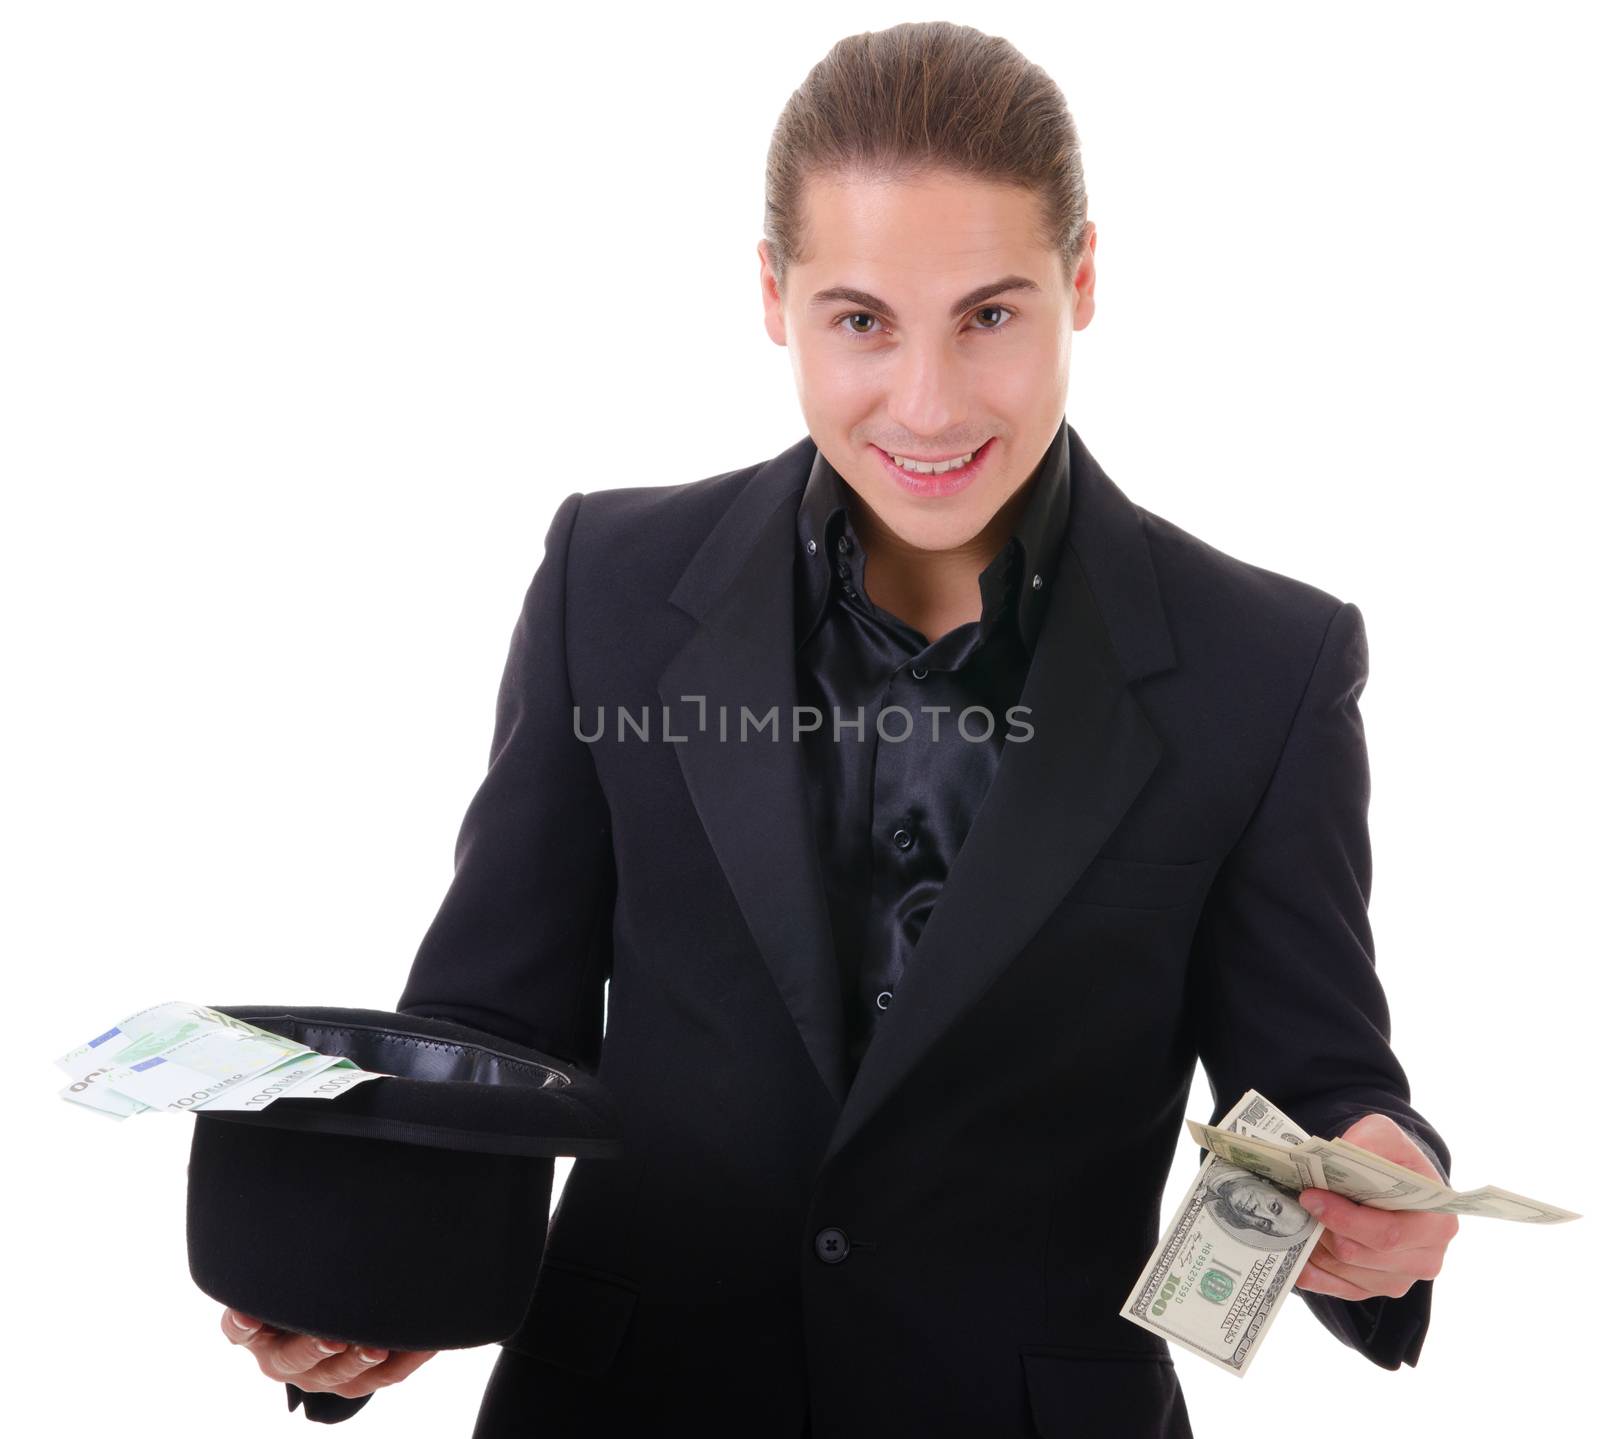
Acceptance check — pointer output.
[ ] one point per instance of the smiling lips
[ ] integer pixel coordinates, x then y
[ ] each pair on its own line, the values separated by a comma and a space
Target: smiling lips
931, 467
936, 478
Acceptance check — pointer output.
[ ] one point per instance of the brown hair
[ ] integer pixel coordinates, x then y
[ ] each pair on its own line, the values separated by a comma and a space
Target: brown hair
923, 97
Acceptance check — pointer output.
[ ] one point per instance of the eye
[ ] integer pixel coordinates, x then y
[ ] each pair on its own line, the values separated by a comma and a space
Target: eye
997, 309
844, 321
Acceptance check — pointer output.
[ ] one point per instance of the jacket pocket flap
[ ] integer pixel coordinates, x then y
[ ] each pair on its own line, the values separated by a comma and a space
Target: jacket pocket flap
577, 1318
1105, 1396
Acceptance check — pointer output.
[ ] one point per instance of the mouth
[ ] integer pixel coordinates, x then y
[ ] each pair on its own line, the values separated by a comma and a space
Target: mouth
931, 482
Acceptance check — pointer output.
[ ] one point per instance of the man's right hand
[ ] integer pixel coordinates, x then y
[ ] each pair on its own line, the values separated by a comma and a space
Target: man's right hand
321, 1365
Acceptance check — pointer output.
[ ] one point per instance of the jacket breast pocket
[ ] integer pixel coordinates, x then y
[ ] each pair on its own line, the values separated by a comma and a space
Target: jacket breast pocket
577, 1318
1112, 881
1104, 1395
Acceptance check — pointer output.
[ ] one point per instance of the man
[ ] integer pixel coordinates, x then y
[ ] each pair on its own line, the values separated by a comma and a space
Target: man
889, 1004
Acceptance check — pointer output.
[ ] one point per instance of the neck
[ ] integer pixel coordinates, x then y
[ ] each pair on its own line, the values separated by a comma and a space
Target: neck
933, 591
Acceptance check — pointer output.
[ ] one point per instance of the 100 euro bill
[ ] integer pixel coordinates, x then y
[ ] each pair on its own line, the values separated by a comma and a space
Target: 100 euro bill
177, 1057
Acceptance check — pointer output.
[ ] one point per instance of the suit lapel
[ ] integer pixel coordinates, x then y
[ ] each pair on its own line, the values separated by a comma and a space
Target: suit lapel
1056, 796
751, 792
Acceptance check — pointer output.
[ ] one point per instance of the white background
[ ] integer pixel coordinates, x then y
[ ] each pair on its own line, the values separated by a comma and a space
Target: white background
313, 313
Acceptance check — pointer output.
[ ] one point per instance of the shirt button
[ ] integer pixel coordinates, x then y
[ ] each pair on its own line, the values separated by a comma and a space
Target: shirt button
832, 1245
1038, 581
902, 837
844, 569
844, 544
811, 547
919, 672
884, 997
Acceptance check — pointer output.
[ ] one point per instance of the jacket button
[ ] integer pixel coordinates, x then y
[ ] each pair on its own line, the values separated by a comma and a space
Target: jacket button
832, 1245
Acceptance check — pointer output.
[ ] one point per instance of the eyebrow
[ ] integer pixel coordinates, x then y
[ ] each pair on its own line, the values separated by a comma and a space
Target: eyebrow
961, 306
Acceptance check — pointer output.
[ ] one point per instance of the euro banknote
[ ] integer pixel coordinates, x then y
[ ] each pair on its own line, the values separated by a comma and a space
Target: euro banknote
177, 1057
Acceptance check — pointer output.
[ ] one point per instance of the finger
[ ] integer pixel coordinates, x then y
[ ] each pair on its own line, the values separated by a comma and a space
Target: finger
1377, 1228
1372, 1282
391, 1371
1318, 1281
294, 1354
242, 1328
405, 1361
1424, 1262
351, 1365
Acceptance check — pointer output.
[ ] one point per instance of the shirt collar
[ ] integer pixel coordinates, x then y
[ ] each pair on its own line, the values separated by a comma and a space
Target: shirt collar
1030, 557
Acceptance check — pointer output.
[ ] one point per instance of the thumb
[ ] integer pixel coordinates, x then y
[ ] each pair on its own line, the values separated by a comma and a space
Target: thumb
1378, 1134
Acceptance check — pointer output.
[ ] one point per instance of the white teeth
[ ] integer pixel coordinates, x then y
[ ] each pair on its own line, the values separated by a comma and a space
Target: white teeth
918, 468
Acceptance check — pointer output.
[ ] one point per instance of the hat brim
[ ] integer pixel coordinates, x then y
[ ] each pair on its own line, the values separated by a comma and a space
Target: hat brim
411, 1211
453, 1087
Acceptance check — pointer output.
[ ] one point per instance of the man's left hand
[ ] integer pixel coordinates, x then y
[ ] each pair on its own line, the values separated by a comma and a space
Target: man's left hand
1367, 1253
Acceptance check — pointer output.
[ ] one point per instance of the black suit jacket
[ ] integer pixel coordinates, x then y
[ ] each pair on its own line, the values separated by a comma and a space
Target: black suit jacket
1176, 865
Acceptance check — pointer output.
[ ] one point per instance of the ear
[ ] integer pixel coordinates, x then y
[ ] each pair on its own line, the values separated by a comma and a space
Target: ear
771, 300
1083, 281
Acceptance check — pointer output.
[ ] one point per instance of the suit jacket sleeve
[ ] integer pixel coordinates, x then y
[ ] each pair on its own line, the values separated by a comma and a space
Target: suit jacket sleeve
1286, 998
520, 946
321, 1407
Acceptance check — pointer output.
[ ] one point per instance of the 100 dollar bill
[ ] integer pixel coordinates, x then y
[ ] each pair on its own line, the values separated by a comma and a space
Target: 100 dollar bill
1365, 1177
1230, 1258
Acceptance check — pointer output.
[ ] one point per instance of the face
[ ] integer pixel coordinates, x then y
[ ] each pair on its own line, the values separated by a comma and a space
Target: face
1265, 1206
901, 344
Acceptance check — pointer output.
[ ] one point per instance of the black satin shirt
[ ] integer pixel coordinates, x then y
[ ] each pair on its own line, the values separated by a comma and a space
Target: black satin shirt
894, 781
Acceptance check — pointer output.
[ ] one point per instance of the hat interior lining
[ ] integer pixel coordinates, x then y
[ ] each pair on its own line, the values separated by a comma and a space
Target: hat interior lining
411, 1056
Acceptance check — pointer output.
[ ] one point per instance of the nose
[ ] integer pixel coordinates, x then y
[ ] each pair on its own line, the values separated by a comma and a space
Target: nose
928, 388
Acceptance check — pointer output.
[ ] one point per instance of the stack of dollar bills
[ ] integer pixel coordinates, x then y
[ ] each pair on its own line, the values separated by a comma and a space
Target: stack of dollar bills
178, 1057
1230, 1258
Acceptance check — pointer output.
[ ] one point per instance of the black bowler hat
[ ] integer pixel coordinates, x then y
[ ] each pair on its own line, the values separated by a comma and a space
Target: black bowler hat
409, 1212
